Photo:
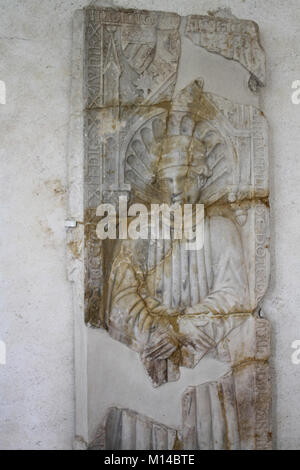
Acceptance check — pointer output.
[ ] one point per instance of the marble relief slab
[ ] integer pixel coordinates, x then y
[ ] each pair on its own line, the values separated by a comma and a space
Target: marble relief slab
134, 134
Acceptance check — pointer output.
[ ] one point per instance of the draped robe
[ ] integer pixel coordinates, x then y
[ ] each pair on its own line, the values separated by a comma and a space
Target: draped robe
152, 281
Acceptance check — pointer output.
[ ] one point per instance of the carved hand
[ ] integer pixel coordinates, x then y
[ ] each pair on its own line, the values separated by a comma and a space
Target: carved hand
192, 329
161, 346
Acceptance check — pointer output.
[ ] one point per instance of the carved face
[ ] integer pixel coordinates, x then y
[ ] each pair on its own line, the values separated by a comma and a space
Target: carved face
180, 184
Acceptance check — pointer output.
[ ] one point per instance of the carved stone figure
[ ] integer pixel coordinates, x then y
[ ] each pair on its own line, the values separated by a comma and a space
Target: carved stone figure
165, 301
172, 306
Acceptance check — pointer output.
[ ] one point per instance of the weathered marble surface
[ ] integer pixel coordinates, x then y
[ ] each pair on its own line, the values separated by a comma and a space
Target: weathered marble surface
130, 111
233, 39
126, 430
232, 412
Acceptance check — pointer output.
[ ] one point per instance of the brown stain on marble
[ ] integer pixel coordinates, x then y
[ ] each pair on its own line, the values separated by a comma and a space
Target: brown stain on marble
92, 295
56, 187
177, 443
75, 248
222, 403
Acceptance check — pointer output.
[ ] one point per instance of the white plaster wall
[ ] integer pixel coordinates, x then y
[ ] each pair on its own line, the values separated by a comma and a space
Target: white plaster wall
36, 384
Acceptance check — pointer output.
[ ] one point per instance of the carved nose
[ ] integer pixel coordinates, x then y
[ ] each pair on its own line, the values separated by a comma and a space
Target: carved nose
175, 196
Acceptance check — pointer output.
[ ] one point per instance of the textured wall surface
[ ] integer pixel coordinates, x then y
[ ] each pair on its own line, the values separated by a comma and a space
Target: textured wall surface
36, 385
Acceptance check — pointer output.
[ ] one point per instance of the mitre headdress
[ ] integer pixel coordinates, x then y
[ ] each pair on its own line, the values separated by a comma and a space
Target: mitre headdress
182, 144
185, 136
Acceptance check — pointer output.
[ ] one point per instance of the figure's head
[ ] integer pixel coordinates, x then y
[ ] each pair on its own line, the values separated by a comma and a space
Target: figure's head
168, 157
182, 171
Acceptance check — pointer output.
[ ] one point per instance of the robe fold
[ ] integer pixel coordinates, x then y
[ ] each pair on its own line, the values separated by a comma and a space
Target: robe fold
153, 281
